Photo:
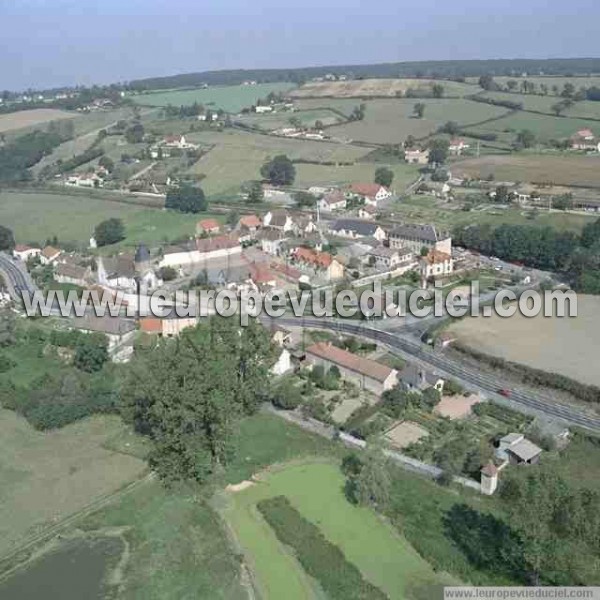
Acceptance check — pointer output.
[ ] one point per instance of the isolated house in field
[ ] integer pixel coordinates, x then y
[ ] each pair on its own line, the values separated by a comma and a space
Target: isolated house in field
416, 156
177, 141
49, 254
436, 264
416, 237
366, 373
371, 193
457, 146
518, 450
415, 378
333, 201
585, 139
208, 227
355, 228
24, 252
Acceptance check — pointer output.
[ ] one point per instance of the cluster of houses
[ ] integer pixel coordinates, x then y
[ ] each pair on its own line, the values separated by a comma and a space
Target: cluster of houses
89, 179
164, 148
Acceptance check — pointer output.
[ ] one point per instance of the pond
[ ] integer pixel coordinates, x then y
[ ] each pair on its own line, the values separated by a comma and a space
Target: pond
75, 570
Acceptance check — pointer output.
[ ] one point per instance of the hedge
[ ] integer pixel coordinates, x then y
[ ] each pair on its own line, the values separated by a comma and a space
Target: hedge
321, 559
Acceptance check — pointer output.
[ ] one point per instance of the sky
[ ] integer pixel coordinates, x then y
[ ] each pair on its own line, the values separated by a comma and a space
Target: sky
46, 43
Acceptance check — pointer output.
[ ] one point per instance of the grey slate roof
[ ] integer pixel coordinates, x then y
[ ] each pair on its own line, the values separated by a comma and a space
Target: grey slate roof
427, 233
363, 228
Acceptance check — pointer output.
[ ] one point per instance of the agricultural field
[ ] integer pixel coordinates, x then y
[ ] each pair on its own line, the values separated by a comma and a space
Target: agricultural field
578, 82
31, 118
315, 489
421, 209
35, 217
545, 127
364, 88
237, 156
341, 105
307, 175
45, 477
559, 169
586, 110
270, 122
229, 98
392, 121
529, 101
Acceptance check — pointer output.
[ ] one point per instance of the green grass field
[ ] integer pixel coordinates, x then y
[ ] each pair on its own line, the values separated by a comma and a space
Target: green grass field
315, 489
35, 217
308, 118
229, 98
391, 121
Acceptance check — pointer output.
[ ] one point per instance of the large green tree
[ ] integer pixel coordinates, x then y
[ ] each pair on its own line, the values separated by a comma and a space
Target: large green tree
384, 176
109, 232
7, 239
186, 198
438, 151
279, 170
189, 393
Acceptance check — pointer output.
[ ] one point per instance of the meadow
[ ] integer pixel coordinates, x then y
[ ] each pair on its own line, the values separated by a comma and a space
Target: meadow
315, 490
45, 477
308, 118
35, 217
229, 98
560, 169
578, 82
392, 121
236, 156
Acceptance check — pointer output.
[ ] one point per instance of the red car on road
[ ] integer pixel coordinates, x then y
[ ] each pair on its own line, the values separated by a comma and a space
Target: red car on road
504, 392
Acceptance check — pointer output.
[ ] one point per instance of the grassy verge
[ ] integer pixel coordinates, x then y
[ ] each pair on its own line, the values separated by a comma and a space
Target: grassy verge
320, 558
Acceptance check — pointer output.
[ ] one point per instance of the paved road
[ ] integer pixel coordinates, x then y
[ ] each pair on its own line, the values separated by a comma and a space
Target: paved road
521, 399
15, 276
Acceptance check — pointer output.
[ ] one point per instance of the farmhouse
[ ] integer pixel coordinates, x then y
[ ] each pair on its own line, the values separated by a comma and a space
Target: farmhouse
278, 219
435, 264
585, 140
333, 201
49, 254
321, 262
388, 258
518, 450
71, 273
354, 228
420, 236
207, 226
203, 249
416, 156
177, 141
24, 252
368, 374
457, 145
372, 193
87, 180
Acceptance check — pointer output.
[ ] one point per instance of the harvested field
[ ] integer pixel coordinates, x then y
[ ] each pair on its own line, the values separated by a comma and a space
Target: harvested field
559, 169
456, 407
30, 118
560, 345
392, 121
406, 433
45, 477
363, 88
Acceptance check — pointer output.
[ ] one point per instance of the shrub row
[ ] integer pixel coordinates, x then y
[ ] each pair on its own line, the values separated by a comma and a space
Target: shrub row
497, 102
321, 559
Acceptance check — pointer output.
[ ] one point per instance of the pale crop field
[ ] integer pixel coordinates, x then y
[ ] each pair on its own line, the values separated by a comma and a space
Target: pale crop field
30, 118
45, 477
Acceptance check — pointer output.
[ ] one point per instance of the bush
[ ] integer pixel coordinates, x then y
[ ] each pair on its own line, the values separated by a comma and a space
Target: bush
109, 232
286, 395
321, 559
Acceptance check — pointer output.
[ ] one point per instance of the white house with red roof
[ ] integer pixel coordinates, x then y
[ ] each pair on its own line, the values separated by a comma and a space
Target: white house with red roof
372, 193
208, 226
585, 140
457, 145
49, 254
25, 252
436, 264
177, 141
322, 263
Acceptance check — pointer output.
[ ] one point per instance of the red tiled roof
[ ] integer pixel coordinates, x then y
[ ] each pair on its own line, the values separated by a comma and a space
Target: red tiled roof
435, 257
365, 189
261, 274
208, 224
220, 242
361, 365
583, 133
151, 325
250, 221
22, 248
490, 470
334, 197
49, 252
319, 259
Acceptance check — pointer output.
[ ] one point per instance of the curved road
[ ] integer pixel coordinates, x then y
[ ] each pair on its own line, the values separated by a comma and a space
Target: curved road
16, 277
521, 399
